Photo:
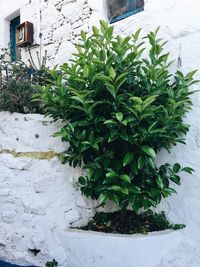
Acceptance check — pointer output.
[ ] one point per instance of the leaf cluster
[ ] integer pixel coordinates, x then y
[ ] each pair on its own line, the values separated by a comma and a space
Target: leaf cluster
17, 86
143, 223
121, 106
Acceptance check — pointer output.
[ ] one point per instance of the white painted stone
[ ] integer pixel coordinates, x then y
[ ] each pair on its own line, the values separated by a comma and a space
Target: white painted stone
64, 52
50, 16
77, 24
28, 133
51, 49
37, 197
73, 10
59, 254
62, 33
95, 5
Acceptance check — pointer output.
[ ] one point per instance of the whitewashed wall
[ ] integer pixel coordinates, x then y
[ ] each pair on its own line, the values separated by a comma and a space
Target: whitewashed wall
37, 196
8, 11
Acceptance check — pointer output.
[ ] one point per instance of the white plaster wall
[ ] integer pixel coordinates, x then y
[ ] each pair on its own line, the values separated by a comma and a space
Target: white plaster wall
158, 249
31, 196
37, 196
8, 11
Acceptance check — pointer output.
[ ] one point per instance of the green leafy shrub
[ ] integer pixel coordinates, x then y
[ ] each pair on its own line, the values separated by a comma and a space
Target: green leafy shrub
121, 106
17, 85
143, 223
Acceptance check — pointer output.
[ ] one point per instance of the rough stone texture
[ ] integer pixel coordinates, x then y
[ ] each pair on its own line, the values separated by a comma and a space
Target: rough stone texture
57, 27
56, 22
29, 133
37, 197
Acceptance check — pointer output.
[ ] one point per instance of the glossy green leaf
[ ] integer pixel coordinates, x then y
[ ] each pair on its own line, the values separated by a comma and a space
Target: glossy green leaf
86, 71
111, 175
119, 116
103, 198
137, 99
128, 158
125, 191
125, 178
135, 189
176, 179
188, 170
149, 151
116, 188
159, 182
141, 162
112, 73
82, 181
176, 168
148, 101
83, 35
152, 162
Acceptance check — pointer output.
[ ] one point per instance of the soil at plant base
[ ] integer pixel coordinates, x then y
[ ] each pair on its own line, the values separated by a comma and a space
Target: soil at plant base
144, 223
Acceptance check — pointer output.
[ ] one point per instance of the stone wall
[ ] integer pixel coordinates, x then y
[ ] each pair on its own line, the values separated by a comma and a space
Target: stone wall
37, 194
57, 27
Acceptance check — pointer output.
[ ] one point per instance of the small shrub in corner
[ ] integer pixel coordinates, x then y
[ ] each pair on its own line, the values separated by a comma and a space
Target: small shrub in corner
121, 106
18, 85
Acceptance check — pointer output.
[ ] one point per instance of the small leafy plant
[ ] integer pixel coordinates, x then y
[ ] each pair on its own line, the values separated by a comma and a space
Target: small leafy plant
52, 263
135, 223
18, 85
121, 106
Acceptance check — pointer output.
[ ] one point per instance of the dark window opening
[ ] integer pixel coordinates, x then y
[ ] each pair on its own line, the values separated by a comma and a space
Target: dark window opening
120, 9
13, 48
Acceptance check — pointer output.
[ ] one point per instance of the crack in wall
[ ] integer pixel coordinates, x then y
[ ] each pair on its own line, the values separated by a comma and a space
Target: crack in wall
33, 155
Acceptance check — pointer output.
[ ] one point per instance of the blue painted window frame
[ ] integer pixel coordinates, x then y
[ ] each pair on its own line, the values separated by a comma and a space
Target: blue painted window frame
13, 48
132, 6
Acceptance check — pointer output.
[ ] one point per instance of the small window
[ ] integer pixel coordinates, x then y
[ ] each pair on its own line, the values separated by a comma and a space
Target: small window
120, 9
13, 48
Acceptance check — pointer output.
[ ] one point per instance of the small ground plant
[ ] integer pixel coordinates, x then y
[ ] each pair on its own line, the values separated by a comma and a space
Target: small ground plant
121, 106
51, 263
143, 223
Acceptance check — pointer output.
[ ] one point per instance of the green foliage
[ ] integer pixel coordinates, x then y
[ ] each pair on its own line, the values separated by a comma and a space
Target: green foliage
17, 87
51, 263
143, 223
121, 106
